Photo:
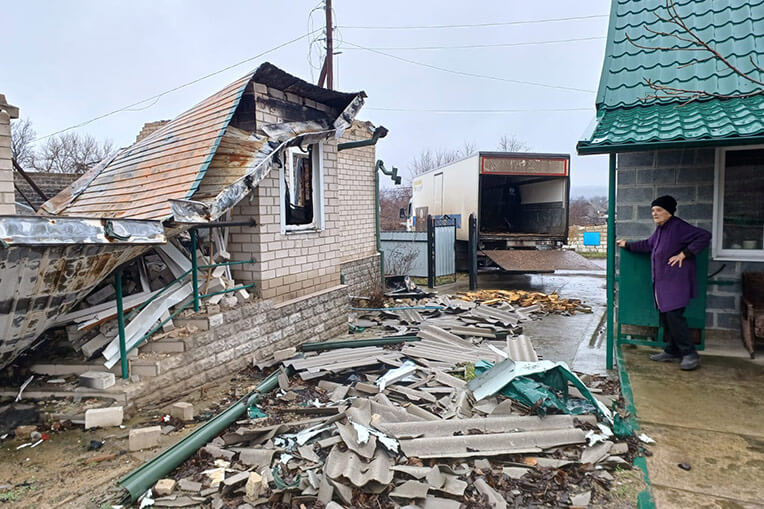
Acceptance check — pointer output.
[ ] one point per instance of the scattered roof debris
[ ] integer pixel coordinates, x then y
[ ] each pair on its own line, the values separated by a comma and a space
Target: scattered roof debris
427, 420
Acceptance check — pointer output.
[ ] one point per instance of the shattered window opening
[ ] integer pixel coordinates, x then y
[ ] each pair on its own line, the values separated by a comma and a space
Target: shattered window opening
301, 188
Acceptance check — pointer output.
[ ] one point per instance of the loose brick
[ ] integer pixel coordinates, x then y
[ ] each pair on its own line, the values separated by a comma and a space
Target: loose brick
144, 438
164, 487
182, 410
97, 379
103, 417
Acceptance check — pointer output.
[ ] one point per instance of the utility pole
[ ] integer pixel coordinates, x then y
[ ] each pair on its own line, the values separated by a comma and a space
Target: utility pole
329, 47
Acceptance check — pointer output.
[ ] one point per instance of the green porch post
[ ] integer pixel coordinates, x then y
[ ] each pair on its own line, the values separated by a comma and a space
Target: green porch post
195, 268
121, 324
610, 263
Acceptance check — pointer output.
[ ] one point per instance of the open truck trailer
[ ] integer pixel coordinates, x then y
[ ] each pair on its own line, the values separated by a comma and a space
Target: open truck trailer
520, 201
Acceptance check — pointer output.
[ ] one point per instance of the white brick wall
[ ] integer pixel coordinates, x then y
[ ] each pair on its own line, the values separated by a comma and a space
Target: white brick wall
295, 264
7, 193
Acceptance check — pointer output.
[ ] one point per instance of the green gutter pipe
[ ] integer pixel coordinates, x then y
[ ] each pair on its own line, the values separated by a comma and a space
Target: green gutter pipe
379, 132
144, 477
587, 149
357, 343
610, 263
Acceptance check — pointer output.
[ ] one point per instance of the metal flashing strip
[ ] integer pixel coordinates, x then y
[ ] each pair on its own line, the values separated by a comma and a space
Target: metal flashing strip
46, 231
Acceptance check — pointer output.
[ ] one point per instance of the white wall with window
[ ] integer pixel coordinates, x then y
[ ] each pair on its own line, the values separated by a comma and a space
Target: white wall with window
738, 220
301, 184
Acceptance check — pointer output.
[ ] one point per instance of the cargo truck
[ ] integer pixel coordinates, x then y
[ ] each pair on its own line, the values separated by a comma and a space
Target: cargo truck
520, 201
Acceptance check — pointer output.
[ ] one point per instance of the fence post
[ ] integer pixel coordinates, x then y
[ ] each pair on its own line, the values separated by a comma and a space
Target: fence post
472, 254
430, 251
195, 268
121, 324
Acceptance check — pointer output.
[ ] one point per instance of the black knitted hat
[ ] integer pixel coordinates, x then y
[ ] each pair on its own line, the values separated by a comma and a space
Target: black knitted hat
666, 202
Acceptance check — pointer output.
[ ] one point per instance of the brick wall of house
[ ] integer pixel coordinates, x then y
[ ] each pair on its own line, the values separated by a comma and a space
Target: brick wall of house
7, 197
50, 184
294, 264
688, 176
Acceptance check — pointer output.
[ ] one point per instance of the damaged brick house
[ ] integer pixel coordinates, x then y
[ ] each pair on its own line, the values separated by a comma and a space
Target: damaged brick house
264, 149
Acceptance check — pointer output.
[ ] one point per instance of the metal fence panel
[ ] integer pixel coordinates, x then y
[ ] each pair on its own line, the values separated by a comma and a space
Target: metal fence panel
405, 253
445, 246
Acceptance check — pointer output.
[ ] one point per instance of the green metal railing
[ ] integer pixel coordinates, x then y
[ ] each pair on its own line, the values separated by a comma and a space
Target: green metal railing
194, 300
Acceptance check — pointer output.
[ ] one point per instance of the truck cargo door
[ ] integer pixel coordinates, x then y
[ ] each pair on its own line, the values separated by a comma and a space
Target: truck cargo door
437, 203
531, 260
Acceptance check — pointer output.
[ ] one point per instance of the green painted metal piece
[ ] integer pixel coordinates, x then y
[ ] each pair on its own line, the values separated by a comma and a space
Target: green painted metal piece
708, 121
609, 343
144, 477
195, 268
121, 325
644, 498
731, 27
360, 343
636, 302
629, 118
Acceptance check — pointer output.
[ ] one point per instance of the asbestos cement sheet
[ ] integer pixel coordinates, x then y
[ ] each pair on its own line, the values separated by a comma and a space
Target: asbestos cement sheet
491, 445
525, 260
506, 424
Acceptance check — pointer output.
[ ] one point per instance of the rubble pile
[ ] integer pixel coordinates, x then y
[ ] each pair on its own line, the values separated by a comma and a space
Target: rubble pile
463, 412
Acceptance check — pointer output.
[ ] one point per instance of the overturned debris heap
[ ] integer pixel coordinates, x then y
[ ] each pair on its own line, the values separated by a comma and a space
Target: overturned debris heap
437, 419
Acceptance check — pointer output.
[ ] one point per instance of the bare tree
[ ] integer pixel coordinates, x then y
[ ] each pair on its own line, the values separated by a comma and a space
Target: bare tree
391, 201
429, 159
686, 39
587, 212
72, 153
22, 136
511, 143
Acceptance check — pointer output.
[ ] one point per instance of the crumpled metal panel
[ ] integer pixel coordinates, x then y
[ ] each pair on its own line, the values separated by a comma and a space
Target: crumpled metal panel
40, 283
36, 231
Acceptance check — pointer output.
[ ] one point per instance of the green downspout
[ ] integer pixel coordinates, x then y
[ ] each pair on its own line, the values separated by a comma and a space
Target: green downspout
144, 477
379, 132
610, 263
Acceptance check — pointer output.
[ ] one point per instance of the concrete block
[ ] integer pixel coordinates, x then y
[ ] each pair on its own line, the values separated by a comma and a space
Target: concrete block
255, 487
24, 432
182, 410
164, 487
286, 353
164, 346
215, 320
97, 379
144, 438
144, 367
103, 417
90, 348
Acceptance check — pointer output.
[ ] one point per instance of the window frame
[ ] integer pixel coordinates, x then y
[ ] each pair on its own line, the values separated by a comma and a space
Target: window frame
317, 166
719, 252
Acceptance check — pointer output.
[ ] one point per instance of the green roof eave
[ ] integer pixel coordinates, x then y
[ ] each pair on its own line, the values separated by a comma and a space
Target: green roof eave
584, 148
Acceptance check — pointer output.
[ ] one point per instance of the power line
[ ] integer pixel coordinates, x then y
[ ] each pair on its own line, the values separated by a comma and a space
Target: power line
470, 74
156, 97
472, 46
470, 25
519, 110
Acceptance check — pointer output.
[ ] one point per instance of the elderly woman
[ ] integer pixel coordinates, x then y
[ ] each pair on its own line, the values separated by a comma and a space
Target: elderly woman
672, 250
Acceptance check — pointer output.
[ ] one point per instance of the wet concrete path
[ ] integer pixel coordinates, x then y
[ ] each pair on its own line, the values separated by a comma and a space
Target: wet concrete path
712, 419
574, 339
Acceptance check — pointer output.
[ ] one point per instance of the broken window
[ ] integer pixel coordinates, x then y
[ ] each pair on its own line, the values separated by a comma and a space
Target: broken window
301, 188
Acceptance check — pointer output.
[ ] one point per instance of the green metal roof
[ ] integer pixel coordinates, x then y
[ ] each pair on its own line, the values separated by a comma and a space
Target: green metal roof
735, 28
697, 121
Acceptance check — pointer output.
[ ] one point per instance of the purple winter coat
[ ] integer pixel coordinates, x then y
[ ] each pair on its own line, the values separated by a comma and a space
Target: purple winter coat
674, 286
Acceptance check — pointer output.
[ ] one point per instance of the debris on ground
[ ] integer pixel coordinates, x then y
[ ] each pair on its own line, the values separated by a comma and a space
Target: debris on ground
455, 408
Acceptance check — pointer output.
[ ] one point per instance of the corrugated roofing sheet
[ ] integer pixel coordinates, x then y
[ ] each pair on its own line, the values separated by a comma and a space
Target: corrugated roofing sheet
732, 27
626, 119
705, 120
170, 163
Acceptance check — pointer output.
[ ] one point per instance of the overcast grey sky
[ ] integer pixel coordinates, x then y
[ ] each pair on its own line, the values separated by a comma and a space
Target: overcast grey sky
66, 62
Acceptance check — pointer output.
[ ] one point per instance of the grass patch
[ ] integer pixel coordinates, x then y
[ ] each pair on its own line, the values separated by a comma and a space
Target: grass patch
13, 494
